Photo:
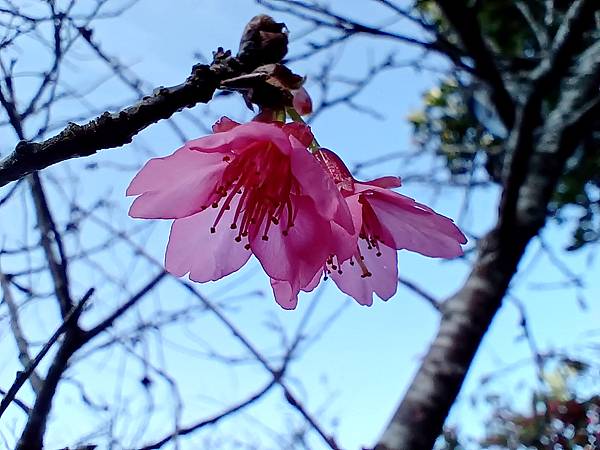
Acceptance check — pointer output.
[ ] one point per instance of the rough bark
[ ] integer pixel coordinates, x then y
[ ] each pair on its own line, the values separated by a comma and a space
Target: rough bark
263, 42
539, 157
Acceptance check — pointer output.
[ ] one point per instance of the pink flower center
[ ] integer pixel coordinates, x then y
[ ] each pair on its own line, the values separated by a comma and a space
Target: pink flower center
261, 178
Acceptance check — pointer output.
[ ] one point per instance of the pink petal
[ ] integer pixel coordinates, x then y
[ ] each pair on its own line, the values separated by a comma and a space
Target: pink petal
287, 297
302, 102
175, 186
238, 138
284, 295
356, 212
314, 282
319, 186
383, 281
382, 182
345, 243
336, 168
224, 124
206, 256
416, 227
299, 255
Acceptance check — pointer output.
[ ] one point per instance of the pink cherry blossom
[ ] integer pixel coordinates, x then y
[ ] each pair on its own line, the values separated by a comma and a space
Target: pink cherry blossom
384, 221
246, 189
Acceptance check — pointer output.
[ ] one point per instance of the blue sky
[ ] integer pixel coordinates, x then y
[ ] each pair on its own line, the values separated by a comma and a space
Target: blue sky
360, 367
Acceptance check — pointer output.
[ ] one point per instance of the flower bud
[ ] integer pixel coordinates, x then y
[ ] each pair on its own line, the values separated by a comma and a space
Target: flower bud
302, 102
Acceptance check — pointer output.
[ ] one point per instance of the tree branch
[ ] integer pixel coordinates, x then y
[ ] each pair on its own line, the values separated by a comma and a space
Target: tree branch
109, 130
24, 375
104, 324
467, 315
435, 304
211, 421
276, 373
466, 26
563, 46
19, 335
33, 433
51, 241
117, 129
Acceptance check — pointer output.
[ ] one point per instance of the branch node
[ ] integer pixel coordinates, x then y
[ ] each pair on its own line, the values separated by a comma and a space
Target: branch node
25, 148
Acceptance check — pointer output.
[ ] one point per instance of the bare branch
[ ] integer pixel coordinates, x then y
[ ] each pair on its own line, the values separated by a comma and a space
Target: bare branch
17, 331
117, 129
467, 315
90, 334
421, 293
24, 375
51, 239
213, 420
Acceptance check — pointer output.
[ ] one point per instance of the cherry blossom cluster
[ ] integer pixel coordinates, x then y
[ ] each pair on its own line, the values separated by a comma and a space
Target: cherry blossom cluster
266, 188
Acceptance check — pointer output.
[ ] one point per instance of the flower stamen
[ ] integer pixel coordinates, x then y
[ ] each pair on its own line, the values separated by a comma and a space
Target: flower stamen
263, 196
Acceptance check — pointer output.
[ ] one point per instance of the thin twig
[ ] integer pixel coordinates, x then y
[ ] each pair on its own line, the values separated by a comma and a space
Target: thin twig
211, 421
24, 375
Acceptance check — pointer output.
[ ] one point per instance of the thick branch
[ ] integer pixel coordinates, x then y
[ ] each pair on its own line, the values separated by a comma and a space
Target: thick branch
565, 42
467, 315
112, 130
109, 130
31, 438
466, 25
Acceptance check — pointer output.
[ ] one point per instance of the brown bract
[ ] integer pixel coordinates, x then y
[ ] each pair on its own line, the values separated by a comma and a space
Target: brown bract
268, 86
264, 42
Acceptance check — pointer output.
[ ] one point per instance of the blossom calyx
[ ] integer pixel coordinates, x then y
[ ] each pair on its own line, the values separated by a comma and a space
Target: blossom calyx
269, 86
